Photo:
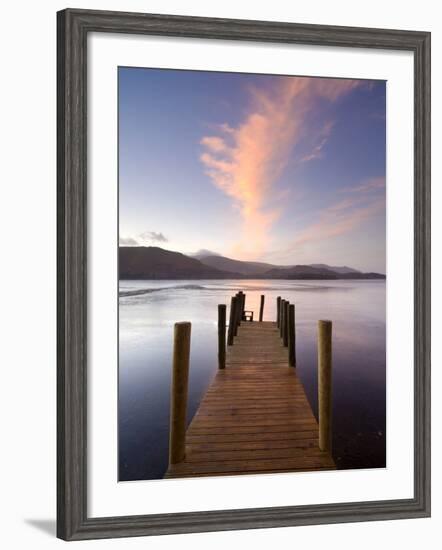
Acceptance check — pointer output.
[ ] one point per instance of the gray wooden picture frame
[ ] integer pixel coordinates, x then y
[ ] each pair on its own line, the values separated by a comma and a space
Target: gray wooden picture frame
74, 25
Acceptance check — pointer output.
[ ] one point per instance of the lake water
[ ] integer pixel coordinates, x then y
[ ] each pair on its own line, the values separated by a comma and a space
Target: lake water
149, 309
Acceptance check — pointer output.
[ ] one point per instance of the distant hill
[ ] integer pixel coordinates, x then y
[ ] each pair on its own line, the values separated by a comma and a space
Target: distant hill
359, 275
312, 272
336, 269
235, 266
151, 262
265, 270
300, 272
202, 253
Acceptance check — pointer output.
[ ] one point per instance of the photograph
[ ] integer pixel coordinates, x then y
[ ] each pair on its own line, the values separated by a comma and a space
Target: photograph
219, 241
243, 273
252, 273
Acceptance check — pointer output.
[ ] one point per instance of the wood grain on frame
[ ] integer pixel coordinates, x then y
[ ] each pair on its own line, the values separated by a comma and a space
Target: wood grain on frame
72, 28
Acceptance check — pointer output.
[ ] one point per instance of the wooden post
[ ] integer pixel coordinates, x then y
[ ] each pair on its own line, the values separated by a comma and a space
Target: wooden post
239, 294
237, 322
281, 319
292, 336
232, 320
278, 310
178, 398
286, 323
261, 308
325, 384
222, 336
283, 313
243, 303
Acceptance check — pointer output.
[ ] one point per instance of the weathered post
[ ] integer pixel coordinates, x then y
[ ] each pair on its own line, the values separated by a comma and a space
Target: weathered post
261, 308
237, 322
232, 320
286, 323
325, 384
221, 336
241, 307
292, 336
281, 319
178, 398
278, 310
243, 304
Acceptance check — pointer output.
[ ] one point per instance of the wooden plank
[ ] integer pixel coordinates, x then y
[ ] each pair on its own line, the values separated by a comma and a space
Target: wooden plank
252, 454
219, 410
269, 437
251, 445
173, 475
242, 466
216, 430
233, 405
251, 419
255, 416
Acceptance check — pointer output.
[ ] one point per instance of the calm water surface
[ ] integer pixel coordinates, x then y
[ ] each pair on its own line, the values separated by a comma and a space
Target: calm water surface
149, 309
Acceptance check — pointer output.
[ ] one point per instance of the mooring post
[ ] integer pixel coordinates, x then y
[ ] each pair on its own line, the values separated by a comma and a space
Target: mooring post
286, 323
240, 309
278, 310
292, 336
243, 304
237, 321
232, 320
221, 336
261, 308
281, 319
178, 398
325, 384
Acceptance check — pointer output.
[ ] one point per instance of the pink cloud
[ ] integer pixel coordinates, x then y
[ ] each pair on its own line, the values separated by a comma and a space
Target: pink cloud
371, 184
246, 161
323, 137
214, 144
345, 215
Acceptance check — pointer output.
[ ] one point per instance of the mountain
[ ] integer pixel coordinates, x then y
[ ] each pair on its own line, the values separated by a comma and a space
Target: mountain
259, 269
235, 266
360, 275
202, 253
336, 269
312, 272
152, 262
300, 272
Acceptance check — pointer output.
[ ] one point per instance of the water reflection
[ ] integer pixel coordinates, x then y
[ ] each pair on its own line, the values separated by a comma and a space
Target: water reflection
149, 309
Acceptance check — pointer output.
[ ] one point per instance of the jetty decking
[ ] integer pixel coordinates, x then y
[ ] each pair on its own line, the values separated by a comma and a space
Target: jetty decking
255, 417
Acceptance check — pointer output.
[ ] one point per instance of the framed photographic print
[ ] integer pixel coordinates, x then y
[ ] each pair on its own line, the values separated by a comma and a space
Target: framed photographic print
243, 274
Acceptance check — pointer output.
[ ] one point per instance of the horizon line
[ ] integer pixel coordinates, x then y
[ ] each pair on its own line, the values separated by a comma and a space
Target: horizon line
194, 254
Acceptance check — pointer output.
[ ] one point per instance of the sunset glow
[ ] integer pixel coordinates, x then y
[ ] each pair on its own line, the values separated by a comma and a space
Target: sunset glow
269, 168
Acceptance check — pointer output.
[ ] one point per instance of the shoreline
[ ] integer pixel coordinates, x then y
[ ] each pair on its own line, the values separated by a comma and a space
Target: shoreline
377, 277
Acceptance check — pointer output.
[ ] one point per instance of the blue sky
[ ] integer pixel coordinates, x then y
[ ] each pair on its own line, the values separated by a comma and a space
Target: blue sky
289, 170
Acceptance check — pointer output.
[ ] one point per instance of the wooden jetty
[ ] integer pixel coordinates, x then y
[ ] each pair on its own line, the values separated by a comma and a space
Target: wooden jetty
255, 417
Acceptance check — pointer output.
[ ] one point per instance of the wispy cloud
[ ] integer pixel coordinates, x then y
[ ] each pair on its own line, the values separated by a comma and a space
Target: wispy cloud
322, 138
127, 241
214, 144
246, 161
148, 237
372, 184
363, 202
153, 236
